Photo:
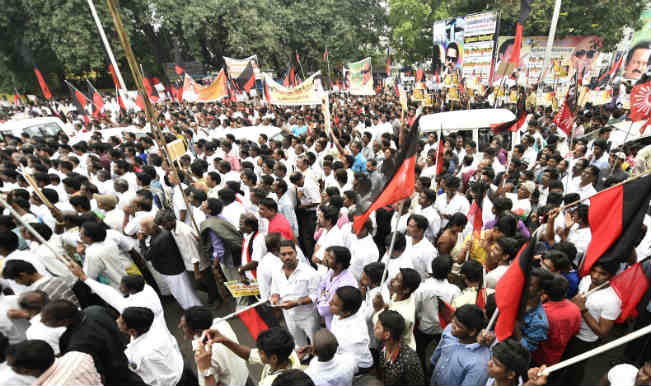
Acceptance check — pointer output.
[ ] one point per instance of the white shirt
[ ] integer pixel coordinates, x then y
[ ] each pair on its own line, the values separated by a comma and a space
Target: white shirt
353, 338
13, 329
427, 303
580, 237
10, 377
434, 223
259, 249
458, 203
114, 219
52, 264
304, 281
329, 238
269, 264
603, 303
421, 255
338, 371
362, 252
104, 258
38, 330
232, 213
495, 275
157, 361
25, 256
311, 193
185, 238
393, 265
229, 368
585, 191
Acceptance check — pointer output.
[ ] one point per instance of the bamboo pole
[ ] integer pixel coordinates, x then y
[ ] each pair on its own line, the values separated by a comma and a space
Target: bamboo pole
393, 241
612, 187
597, 350
150, 113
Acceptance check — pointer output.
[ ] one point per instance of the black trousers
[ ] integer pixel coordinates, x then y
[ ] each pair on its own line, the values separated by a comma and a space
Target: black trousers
573, 375
306, 226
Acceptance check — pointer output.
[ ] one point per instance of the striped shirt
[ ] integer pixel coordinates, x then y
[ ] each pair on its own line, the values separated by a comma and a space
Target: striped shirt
55, 288
73, 368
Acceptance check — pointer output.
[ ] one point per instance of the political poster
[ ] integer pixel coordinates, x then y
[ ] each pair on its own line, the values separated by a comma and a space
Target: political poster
309, 92
236, 66
637, 56
478, 43
571, 54
447, 38
358, 77
213, 92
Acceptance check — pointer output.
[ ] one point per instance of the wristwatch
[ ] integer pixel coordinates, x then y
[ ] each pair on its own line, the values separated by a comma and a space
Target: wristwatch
208, 372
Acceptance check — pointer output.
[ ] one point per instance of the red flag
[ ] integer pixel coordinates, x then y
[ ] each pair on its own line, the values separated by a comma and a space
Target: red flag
246, 80
298, 58
419, 75
46, 91
511, 290
17, 100
397, 91
446, 313
640, 101
140, 102
401, 183
439, 156
564, 118
115, 77
325, 55
267, 94
481, 298
631, 286
120, 101
98, 103
613, 69
292, 79
475, 217
438, 77
178, 69
388, 64
147, 86
253, 322
616, 216
515, 54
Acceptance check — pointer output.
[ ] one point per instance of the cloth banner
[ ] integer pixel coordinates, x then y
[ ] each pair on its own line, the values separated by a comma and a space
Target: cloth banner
215, 91
307, 93
359, 77
236, 66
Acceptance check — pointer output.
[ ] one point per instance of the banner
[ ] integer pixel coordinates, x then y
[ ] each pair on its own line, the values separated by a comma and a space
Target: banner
478, 43
176, 149
358, 77
572, 53
191, 89
236, 66
215, 91
307, 93
637, 55
448, 43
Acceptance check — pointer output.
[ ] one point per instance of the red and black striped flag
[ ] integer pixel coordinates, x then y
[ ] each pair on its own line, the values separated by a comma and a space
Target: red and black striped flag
631, 286
79, 100
267, 94
98, 103
178, 69
17, 100
115, 77
46, 91
246, 80
616, 216
401, 181
511, 290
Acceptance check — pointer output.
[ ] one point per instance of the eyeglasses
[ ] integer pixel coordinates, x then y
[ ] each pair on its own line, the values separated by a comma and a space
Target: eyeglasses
450, 58
588, 54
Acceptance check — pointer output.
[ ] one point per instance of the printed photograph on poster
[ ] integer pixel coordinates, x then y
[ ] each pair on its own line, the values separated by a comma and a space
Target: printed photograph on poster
448, 43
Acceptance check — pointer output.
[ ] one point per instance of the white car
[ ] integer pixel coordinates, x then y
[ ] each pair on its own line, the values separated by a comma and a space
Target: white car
34, 127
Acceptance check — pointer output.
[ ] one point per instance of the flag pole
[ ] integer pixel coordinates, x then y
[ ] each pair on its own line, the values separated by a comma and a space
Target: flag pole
236, 313
64, 259
625, 139
328, 62
614, 186
598, 350
552, 34
107, 47
150, 113
493, 319
393, 241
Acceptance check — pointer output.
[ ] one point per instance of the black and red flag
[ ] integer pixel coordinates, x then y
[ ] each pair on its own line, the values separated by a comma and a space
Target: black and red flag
46, 91
516, 124
79, 100
267, 93
517, 46
115, 77
388, 63
439, 154
511, 290
98, 102
17, 101
615, 216
446, 313
606, 76
631, 286
401, 181
178, 69
258, 319
246, 80
564, 119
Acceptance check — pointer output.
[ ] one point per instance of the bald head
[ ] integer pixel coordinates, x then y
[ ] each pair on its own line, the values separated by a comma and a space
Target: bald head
147, 225
325, 345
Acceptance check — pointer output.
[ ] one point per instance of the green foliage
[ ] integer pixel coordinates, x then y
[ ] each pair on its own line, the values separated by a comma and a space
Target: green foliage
60, 37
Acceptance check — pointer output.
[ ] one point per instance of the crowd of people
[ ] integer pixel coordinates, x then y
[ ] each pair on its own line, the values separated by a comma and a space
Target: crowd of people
343, 307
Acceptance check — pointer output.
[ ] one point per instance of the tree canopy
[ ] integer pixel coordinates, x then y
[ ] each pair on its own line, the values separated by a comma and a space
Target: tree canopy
61, 39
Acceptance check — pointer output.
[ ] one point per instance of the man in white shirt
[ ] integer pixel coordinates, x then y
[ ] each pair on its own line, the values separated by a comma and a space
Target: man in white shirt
426, 200
103, 260
292, 290
9, 251
452, 202
232, 210
331, 236
419, 249
328, 367
309, 197
398, 258
156, 359
586, 188
363, 250
113, 216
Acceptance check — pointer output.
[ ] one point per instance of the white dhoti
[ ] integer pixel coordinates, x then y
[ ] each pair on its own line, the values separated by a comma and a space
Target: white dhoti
160, 280
181, 288
302, 330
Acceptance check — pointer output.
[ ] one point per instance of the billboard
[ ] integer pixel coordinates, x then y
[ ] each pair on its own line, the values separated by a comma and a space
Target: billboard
637, 55
570, 54
478, 44
448, 43
358, 77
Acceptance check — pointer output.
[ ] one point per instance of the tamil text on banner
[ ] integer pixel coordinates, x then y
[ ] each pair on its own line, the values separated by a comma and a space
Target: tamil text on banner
236, 66
215, 91
572, 53
478, 43
359, 76
307, 93
447, 38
